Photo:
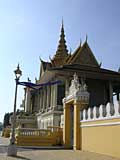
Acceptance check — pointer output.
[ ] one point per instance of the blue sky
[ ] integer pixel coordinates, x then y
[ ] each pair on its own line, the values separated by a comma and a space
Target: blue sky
31, 28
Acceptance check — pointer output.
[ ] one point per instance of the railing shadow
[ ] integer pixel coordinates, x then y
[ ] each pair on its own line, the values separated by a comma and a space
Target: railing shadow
21, 157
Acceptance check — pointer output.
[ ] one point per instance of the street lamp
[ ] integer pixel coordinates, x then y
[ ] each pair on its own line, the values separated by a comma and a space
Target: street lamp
12, 149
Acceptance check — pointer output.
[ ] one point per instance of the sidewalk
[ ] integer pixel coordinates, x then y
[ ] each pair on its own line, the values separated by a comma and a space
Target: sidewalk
48, 153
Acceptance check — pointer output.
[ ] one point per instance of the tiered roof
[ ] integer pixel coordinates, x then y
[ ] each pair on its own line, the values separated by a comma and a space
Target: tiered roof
82, 60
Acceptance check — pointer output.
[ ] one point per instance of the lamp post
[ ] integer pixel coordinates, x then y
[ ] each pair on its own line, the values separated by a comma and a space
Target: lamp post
12, 149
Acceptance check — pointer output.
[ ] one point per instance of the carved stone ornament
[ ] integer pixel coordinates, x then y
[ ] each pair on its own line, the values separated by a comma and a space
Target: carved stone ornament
75, 85
78, 91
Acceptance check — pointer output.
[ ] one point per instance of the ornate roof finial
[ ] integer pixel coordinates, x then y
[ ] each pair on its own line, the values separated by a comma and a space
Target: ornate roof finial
86, 38
62, 23
50, 58
119, 70
35, 80
28, 79
100, 64
70, 50
40, 58
80, 42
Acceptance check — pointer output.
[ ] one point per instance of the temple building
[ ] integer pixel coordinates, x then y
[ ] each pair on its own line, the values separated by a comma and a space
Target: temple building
47, 101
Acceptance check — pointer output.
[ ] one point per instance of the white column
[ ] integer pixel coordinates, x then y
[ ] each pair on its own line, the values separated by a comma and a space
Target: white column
44, 98
55, 95
28, 100
51, 97
48, 96
40, 101
38, 98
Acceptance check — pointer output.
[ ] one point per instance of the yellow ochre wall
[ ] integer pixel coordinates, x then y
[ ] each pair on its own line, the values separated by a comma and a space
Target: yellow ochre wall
102, 139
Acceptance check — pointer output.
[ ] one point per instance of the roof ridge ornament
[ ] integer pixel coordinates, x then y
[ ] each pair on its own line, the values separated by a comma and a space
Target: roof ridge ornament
80, 42
86, 39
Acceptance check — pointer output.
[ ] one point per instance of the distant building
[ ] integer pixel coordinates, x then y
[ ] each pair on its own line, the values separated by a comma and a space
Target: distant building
46, 102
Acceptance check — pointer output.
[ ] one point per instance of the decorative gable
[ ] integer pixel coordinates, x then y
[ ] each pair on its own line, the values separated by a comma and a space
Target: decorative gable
84, 56
43, 67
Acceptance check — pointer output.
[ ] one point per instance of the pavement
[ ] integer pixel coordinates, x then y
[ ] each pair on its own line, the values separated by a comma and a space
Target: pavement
48, 153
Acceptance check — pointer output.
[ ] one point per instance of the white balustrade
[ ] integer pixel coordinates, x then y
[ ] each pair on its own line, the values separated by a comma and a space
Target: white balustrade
112, 110
94, 112
84, 113
108, 110
101, 112
117, 108
89, 113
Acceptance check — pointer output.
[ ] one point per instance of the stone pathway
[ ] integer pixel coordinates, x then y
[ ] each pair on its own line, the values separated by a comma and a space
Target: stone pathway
50, 153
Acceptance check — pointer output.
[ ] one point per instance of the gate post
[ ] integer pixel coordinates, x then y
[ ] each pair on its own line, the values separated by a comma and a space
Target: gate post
77, 140
66, 128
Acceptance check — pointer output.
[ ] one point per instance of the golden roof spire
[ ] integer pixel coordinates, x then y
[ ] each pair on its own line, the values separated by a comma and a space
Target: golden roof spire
62, 48
62, 52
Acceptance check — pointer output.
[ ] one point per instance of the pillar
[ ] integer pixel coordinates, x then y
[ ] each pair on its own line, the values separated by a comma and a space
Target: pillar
55, 95
28, 100
118, 97
51, 96
110, 92
48, 96
76, 145
38, 101
66, 127
42, 99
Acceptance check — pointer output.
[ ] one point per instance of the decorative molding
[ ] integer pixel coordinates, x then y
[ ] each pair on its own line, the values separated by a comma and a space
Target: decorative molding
100, 119
102, 124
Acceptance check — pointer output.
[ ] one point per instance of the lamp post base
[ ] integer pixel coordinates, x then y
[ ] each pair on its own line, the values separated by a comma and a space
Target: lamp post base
12, 150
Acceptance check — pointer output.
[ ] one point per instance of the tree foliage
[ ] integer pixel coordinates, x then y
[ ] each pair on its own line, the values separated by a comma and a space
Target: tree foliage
6, 120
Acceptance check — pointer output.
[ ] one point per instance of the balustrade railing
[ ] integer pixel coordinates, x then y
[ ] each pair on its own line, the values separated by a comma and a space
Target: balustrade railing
26, 117
32, 132
102, 112
54, 128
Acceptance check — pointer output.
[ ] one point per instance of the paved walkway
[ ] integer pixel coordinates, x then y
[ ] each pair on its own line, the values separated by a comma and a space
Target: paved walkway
48, 154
